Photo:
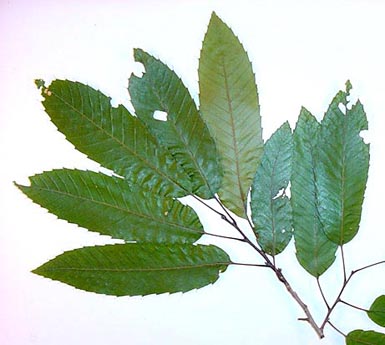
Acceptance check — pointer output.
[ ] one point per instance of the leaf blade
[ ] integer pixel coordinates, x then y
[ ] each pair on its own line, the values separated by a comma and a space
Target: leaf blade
314, 251
271, 212
184, 132
138, 269
109, 206
342, 171
112, 137
360, 337
230, 106
376, 311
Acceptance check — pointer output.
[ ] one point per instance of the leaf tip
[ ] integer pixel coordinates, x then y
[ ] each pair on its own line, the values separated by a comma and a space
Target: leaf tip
40, 83
348, 86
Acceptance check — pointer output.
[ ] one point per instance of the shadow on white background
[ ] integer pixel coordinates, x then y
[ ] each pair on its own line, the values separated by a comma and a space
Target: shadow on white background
302, 54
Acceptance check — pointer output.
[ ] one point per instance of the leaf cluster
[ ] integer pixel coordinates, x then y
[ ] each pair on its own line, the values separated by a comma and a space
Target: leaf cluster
306, 183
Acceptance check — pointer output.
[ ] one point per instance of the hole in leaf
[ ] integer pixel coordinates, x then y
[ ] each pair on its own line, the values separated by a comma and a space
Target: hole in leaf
138, 69
160, 115
365, 136
342, 108
280, 193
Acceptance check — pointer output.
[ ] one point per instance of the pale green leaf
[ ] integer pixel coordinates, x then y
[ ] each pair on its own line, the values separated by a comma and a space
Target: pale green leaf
183, 132
110, 206
377, 311
315, 252
112, 137
270, 207
229, 104
342, 169
138, 269
360, 337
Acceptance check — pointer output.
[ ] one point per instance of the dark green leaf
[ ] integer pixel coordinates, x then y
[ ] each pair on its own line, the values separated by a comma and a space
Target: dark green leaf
112, 137
377, 311
183, 132
342, 169
270, 207
111, 207
138, 269
360, 337
230, 106
315, 252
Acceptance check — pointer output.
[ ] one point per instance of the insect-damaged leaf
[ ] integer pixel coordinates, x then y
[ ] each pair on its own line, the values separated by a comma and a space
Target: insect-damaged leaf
360, 337
183, 132
377, 311
138, 269
229, 104
270, 207
315, 252
112, 137
342, 169
110, 206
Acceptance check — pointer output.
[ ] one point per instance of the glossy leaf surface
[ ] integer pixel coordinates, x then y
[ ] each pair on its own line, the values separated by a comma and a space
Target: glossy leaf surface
183, 132
342, 169
315, 252
111, 207
138, 269
360, 337
270, 207
112, 137
377, 311
229, 104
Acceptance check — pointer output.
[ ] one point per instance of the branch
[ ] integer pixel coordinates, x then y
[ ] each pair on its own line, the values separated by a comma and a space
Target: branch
346, 281
309, 318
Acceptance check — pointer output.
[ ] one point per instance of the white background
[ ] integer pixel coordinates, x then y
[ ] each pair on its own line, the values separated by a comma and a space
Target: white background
302, 53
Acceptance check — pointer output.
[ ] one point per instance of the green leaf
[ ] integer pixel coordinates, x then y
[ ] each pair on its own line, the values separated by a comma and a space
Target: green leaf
377, 311
183, 132
229, 104
112, 137
138, 269
270, 207
111, 207
315, 252
360, 337
343, 169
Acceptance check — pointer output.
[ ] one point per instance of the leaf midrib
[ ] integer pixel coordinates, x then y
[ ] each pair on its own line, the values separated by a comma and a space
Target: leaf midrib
160, 220
129, 270
231, 113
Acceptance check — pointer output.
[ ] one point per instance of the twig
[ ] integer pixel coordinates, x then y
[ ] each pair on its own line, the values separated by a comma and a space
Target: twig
336, 329
322, 293
353, 306
248, 264
343, 262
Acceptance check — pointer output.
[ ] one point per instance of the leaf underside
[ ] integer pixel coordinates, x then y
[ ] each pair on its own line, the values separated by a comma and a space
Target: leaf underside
377, 311
113, 137
138, 269
270, 207
342, 169
184, 133
315, 252
110, 206
229, 104
360, 337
